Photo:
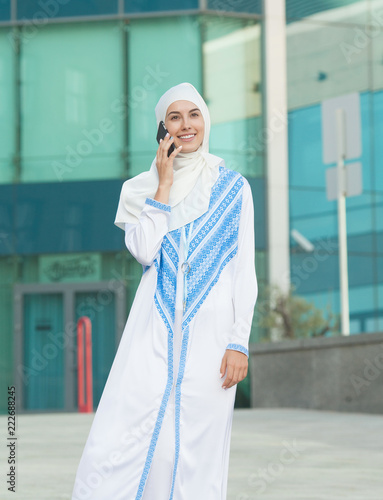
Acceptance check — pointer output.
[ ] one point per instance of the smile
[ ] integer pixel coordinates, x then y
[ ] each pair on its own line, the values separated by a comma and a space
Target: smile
188, 137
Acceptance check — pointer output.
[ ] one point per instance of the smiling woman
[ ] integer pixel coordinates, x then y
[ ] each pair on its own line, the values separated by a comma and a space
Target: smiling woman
162, 429
185, 123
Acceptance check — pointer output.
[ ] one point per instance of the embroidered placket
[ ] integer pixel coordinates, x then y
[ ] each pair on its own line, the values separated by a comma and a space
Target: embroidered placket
185, 267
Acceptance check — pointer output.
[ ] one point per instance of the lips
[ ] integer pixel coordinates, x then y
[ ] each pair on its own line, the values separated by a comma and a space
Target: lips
186, 137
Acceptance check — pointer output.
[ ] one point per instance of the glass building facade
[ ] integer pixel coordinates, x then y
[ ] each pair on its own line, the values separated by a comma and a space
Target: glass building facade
78, 85
332, 52
79, 82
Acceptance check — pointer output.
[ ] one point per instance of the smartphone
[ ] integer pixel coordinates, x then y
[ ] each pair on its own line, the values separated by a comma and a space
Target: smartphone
161, 135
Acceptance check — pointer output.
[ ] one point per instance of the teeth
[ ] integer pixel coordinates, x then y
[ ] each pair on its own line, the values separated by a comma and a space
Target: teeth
186, 136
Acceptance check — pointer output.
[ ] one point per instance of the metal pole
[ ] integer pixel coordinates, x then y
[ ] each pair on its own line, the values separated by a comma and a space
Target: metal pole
342, 225
85, 387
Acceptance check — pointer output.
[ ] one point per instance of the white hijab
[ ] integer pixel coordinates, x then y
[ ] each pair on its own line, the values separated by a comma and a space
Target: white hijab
194, 173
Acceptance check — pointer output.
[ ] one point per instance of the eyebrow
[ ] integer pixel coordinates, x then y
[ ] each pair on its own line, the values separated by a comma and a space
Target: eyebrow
178, 113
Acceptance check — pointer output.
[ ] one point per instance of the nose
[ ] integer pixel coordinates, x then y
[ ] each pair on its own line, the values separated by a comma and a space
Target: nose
185, 123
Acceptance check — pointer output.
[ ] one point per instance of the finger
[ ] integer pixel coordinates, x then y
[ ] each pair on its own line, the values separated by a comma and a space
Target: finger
242, 373
175, 152
223, 366
236, 377
159, 149
166, 143
229, 377
165, 140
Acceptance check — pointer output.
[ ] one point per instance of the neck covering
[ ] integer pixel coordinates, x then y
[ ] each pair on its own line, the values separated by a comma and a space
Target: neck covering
194, 174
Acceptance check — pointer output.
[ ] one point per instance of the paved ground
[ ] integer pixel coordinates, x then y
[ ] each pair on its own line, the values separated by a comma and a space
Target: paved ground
275, 454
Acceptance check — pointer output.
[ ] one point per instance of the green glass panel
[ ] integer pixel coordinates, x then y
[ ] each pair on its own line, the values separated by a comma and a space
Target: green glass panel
6, 312
162, 53
43, 356
261, 265
99, 307
232, 77
7, 116
29, 269
71, 75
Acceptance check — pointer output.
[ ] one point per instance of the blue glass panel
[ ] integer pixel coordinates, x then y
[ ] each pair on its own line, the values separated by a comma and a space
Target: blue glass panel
303, 8
379, 274
377, 108
250, 6
67, 217
359, 214
315, 272
319, 270
310, 202
6, 220
5, 10
305, 147
362, 312
305, 144
159, 5
42, 9
361, 243
77, 217
258, 190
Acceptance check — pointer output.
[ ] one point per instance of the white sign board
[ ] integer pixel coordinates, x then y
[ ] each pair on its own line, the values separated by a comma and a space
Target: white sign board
351, 184
350, 103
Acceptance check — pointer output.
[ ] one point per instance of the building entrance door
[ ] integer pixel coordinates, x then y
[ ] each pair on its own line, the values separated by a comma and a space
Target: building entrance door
46, 341
45, 379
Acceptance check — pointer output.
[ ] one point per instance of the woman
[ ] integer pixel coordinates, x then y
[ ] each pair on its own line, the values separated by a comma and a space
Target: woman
162, 428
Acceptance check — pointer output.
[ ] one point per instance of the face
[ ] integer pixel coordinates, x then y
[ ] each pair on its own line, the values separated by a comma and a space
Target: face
185, 123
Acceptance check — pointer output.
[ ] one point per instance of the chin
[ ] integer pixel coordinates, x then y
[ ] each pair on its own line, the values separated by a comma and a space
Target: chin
190, 149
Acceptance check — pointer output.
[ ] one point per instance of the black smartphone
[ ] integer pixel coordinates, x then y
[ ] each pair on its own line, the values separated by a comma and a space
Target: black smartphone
161, 135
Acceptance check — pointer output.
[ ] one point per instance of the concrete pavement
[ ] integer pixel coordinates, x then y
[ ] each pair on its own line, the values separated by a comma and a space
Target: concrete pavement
275, 454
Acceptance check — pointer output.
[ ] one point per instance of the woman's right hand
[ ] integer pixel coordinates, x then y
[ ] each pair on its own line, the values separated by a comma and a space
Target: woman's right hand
165, 168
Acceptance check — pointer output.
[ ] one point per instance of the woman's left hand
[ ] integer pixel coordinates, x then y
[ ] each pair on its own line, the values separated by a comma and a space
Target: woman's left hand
236, 364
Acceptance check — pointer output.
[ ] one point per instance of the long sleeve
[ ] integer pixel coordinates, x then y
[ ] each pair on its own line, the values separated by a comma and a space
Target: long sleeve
245, 288
143, 240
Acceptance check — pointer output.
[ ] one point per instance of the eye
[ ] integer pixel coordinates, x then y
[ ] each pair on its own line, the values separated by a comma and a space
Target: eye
195, 114
174, 117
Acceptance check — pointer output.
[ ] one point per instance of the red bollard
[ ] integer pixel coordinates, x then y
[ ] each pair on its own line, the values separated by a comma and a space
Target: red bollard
85, 401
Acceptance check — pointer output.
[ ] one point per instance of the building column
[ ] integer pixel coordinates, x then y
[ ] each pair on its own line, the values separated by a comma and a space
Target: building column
275, 132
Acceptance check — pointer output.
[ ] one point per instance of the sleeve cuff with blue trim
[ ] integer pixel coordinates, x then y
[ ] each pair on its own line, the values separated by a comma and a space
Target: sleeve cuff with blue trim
157, 204
238, 347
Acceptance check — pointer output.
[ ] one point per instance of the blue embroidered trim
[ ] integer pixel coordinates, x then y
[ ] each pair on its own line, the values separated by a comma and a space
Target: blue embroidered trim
220, 229
166, 264
158, 204
216, 241
214, 244
238, 347
181, 370
160, 418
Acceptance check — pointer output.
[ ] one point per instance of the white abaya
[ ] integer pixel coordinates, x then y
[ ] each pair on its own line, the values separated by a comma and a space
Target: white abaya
160, 438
